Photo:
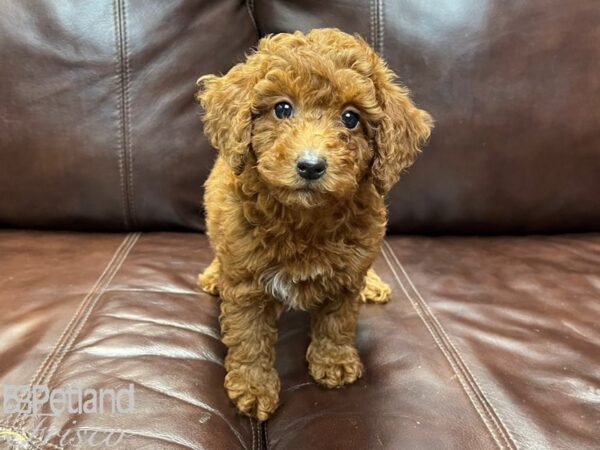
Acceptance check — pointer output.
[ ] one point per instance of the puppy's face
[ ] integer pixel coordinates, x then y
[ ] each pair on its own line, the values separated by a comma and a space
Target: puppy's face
311, 128
315, 115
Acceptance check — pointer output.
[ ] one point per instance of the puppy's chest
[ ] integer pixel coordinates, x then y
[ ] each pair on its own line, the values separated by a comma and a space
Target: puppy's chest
308, 279
297, 289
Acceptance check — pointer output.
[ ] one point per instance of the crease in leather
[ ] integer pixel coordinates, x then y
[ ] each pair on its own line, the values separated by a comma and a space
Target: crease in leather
486, 411
251, 13
52, 361
200, 405
200, 329
124, 112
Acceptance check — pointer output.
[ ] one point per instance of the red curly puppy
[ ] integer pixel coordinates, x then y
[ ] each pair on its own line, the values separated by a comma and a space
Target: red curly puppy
312, 133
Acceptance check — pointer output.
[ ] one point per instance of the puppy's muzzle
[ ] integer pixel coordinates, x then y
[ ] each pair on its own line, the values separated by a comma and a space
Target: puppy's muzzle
311, 166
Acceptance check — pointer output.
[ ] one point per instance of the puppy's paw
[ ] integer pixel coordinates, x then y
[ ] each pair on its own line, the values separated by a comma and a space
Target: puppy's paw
375, 290
207, 280
254, 390
333, 365
208, 284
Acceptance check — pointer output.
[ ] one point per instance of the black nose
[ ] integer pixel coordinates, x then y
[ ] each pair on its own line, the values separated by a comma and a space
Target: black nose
311, 166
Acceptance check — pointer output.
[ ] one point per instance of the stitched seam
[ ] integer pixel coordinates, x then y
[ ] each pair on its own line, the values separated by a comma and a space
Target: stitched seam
473, 399
127, 118
120, 138
259, 435
252, 428
42, 368
252, 14
381, 17
69, 334
87, 305
372, 21
122, 72
93, 302
467, 372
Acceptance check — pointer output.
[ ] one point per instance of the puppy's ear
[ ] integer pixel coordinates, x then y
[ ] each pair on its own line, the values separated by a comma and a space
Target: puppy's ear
227, 104
403, 128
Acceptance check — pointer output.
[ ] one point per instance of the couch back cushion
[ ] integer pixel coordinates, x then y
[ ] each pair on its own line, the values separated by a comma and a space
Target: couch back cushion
514, 87
98, 125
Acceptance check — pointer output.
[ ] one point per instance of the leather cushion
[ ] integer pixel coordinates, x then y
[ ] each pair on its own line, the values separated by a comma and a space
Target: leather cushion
513, 88
486, 343
98, 124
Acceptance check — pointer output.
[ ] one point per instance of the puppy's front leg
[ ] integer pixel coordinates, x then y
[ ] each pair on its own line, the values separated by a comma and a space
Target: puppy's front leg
248, 329
332, 356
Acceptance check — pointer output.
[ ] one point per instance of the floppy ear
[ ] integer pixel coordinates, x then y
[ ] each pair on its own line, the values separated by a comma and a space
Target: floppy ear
227, 104
401, 131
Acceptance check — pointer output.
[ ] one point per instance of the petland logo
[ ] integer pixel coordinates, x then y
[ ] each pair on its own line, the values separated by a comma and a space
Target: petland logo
39, 400
72, 399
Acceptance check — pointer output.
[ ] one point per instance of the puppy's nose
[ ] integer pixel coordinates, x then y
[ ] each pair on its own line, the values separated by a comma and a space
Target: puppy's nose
310, 166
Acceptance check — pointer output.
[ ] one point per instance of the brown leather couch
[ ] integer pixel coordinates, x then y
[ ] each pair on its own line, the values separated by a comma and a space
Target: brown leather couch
492, 338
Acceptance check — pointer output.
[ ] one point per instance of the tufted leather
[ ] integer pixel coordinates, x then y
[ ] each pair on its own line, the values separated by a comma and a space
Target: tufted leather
488, 342
99, 128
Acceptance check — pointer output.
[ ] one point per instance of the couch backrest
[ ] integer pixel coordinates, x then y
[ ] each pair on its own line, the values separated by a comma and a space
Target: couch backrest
98, 124
98, 127
514, 87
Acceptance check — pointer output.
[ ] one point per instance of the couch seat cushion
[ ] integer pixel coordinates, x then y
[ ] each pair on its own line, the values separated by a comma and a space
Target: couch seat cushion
486, 343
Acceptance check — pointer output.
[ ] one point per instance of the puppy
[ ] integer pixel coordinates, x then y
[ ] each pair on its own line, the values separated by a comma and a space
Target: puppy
312, 132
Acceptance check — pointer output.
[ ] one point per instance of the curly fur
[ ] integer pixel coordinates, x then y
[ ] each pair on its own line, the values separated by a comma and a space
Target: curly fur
280, 242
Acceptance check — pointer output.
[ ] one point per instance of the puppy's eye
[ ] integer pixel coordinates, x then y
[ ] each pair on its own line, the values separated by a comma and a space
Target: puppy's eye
350, 119
283, 110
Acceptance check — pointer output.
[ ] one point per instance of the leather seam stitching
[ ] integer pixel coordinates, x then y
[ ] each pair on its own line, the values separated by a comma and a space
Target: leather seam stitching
128, 144
259, 435
372, 22
478, 389
43, 366
497, 430
252, 432
123, 77
120, 138
381, 30
81, 316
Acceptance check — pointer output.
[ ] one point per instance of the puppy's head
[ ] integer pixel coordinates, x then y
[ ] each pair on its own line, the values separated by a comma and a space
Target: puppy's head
314, 115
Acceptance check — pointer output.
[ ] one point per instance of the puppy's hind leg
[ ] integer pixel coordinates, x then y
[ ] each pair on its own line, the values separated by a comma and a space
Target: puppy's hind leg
208, 280
375, 290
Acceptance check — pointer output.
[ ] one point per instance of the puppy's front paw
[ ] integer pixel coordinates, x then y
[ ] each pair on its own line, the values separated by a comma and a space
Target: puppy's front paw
375, 290
333, 365
254, 390
208, 283
208, 280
